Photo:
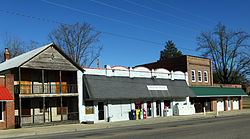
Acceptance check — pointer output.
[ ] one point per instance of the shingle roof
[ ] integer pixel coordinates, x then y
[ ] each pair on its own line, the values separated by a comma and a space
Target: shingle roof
19, 60
108, 88
217, 91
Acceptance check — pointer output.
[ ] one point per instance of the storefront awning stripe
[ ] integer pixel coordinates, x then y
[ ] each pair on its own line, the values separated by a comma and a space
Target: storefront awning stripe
217, 91
5, 94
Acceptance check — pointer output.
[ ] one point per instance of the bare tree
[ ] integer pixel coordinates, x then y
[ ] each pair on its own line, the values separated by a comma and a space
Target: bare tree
79, 41
229, 51
16, 46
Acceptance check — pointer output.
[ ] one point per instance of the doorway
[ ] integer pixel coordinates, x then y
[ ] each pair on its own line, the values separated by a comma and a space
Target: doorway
100, 110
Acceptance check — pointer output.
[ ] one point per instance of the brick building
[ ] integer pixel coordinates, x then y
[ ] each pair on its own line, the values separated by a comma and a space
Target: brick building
199, 69
214, 97
7, 111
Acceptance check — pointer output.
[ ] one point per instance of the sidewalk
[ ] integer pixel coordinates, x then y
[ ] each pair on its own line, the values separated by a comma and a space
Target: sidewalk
79, 127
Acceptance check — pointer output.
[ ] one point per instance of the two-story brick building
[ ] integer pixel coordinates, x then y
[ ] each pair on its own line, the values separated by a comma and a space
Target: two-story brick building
200, 72
7, 115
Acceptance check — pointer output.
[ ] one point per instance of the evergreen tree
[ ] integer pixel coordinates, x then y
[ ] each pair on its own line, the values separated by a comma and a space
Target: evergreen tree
170, 51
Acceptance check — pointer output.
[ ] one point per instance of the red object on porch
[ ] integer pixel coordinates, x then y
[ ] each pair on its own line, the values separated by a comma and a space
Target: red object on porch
5, 94
144, 114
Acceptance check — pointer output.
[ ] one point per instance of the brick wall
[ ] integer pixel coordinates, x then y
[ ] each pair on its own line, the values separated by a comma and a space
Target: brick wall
228, 85
9, 109
199, 64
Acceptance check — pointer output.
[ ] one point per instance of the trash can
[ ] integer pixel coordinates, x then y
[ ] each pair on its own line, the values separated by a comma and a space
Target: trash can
137, 113
133, 114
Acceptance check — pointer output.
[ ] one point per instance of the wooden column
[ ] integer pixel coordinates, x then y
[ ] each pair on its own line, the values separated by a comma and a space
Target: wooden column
33, 112
20, 100
43, 91
60, 78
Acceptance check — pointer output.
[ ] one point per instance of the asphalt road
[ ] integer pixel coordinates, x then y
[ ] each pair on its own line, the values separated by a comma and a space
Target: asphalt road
237, 127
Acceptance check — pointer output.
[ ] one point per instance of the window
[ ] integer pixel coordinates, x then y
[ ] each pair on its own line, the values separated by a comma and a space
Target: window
199, 76
193, 76
205, 76
1, 111
89, 107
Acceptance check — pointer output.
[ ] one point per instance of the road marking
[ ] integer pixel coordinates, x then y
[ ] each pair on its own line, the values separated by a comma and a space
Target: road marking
169, 128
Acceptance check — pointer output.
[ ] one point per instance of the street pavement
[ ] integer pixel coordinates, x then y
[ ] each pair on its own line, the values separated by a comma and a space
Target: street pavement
148, 126
234, 127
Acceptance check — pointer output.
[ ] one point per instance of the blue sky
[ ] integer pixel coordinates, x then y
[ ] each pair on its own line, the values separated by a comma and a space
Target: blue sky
152, 20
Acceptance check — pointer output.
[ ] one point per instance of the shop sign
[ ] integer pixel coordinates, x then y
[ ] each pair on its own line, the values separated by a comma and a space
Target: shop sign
157, 87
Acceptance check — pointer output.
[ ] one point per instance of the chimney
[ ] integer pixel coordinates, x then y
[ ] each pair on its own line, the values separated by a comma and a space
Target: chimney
6, 54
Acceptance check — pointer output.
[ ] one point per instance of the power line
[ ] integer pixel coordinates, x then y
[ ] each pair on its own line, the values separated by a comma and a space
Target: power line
104, 32
141, 15
159, 11
112, 19
184, 11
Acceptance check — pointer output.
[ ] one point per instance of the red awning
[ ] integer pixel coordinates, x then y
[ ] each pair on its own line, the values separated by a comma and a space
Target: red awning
5, 94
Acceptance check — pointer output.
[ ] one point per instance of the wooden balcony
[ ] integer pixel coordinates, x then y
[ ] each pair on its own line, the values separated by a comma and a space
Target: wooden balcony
46, 90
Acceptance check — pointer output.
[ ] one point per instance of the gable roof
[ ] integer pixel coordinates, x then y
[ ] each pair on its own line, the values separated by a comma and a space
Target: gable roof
23, 58
117, 88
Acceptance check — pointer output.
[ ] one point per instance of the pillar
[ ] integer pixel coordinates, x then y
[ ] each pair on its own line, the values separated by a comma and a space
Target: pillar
226, 105
232, 106
154, 113
241, 102
162, 107
214, 105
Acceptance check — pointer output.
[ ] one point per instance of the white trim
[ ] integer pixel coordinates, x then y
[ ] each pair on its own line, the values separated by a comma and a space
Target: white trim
1, 105
193, 76
199, 77
205, 76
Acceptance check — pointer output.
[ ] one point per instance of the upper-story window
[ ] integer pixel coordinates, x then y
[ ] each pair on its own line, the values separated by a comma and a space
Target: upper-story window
1, 111
199, 76
205, 76
193, 76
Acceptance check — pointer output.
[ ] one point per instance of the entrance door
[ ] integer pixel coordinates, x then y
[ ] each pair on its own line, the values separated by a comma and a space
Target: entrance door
220, 105
235, 104
100, 110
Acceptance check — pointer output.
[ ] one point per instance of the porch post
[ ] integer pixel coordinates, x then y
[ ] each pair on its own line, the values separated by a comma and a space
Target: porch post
20, 100
43, 91
60, 78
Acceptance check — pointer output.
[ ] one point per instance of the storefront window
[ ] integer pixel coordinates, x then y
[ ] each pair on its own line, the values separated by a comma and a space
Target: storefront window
89, 107
1, 111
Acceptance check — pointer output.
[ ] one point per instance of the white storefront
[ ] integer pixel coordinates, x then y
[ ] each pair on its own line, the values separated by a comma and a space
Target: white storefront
110, 101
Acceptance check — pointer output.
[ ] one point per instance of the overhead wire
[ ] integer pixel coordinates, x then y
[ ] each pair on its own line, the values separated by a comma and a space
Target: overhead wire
162, 12
141, 15
112, 19
184, 11
104, 32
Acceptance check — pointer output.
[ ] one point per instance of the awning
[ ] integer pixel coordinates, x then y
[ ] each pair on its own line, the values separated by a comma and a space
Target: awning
217, 91
119, 88
5, 94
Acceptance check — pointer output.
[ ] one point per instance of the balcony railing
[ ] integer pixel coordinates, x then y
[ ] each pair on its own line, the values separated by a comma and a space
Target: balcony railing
48, 88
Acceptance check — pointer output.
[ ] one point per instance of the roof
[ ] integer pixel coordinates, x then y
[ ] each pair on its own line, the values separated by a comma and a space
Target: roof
174, 63
217, 91
108, 88
23, 58
5, 94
